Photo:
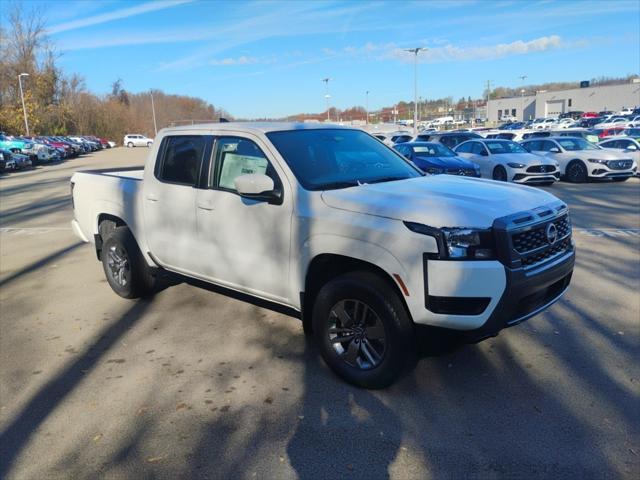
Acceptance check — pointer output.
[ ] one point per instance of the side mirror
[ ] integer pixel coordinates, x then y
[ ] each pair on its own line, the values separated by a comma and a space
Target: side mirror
255, 186
554, 150
632, 148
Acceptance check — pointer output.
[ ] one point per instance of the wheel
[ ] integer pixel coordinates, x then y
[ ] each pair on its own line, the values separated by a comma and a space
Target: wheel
363, 330
149, 144
130, 144
500, 174
125, 268
576, 172
621, 179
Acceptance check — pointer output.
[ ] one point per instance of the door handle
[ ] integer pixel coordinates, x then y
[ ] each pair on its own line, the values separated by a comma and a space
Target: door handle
151, 197
205, 206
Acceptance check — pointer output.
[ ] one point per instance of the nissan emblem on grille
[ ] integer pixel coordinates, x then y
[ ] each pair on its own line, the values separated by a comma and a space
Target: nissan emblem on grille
552, 233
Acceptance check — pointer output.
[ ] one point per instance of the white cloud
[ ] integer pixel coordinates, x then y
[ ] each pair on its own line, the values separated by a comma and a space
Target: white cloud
452, 53
116, 15
242, 60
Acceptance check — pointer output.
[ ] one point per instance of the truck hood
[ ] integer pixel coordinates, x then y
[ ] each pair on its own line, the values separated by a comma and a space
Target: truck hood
439, 200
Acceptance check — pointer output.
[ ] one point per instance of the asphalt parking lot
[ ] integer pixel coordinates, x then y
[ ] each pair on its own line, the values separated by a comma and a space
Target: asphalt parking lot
193, 384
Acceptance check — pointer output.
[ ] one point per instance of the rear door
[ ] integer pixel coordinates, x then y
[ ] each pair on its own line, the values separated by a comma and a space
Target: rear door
169, 199
242, 243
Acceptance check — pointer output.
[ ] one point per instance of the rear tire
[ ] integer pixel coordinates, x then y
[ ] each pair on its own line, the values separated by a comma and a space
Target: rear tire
124, 266
576, 172
500, 174
366, 313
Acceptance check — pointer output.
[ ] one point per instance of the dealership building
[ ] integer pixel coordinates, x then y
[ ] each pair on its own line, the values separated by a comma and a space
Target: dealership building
551, 104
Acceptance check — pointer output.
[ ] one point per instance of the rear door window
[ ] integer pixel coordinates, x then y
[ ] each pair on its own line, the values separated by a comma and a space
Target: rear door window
181, 159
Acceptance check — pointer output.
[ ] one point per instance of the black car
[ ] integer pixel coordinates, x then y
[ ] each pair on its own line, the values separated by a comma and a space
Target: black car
448, 139
435, 158
589, 122
537, 134
573, 114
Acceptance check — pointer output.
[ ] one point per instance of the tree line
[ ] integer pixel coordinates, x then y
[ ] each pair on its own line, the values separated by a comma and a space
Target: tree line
58, 103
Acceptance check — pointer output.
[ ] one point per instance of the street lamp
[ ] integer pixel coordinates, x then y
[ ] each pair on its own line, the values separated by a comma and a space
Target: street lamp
326, 94
153, 111
24, 108
522, 78
415, 52
367, 121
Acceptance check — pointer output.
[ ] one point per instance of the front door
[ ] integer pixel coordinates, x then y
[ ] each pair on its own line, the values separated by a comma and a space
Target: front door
242, 243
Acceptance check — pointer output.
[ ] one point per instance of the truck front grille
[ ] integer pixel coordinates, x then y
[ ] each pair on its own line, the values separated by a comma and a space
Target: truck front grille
535, 238
543, 241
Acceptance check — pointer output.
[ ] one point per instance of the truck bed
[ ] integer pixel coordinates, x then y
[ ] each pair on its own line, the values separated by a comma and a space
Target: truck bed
134, 173
110, 191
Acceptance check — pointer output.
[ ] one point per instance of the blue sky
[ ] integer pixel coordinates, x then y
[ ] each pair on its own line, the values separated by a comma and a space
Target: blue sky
268, 58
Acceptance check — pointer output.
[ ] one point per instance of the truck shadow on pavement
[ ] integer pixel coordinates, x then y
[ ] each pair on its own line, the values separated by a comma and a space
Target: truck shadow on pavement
19, 431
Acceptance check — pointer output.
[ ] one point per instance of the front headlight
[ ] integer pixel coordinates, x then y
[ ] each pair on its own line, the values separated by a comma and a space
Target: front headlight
515, 165
597, 160
469, 243
459, 243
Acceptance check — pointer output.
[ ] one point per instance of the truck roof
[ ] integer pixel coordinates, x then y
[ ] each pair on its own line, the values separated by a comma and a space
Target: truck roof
262, 127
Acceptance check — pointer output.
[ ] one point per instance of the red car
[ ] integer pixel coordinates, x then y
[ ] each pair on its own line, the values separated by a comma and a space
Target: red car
589, 115
104, 142
609, 132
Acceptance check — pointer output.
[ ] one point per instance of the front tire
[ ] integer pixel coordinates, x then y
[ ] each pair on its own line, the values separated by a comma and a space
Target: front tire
130, 144
500, 174
149, 144
576, 172
363, 330
124, 266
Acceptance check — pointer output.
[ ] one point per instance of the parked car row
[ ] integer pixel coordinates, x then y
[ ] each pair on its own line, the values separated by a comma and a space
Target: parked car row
19, 152
534, 160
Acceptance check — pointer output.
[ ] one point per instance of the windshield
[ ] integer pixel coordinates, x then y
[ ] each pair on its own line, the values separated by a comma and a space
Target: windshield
497, 148
433, 150
573, 144
326, 159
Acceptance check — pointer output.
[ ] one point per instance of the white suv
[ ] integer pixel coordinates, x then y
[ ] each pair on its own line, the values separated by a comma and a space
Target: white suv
135, 140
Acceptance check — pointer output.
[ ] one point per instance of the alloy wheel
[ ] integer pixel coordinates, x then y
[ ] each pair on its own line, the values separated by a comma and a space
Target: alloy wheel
357, 334
119, 267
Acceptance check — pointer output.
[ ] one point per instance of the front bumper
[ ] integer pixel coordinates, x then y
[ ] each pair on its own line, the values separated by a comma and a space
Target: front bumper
527, 293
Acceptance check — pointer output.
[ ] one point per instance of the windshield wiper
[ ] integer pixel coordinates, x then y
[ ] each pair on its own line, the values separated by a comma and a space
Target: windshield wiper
337, 185
386, 179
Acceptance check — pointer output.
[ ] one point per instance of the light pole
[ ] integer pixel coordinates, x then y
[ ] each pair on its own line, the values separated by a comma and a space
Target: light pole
415, 52
367, 121
24, 108
326, 94
153, 111
522, 78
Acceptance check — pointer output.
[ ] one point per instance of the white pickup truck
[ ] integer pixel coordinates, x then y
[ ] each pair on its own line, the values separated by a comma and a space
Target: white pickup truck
334, 226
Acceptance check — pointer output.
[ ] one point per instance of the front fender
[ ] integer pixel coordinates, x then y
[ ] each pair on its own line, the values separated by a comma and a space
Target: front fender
355, 248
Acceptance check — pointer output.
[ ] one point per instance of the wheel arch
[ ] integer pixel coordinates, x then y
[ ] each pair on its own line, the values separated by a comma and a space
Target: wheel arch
326, 266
